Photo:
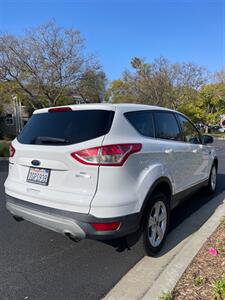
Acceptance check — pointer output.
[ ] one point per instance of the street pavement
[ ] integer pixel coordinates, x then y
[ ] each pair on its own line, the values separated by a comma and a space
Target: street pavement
36, 263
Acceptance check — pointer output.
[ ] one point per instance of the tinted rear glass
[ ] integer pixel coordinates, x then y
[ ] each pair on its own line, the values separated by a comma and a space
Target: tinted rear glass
167, 127
142, 121
64, 128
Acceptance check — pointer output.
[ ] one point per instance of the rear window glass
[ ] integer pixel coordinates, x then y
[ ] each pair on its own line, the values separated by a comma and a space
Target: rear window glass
64, 128
142, 121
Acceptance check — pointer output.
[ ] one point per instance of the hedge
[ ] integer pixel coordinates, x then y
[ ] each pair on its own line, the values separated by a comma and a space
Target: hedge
4, 149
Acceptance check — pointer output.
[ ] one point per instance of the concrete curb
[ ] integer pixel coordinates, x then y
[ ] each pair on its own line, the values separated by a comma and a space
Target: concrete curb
172, 273
150, 277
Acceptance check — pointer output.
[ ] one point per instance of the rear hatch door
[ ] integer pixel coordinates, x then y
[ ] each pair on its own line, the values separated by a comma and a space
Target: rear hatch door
43, 170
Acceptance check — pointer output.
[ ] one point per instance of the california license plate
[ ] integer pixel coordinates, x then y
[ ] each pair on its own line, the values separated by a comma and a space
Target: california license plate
38, 176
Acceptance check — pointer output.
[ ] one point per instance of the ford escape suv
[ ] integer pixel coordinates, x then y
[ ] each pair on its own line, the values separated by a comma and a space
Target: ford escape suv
104, 171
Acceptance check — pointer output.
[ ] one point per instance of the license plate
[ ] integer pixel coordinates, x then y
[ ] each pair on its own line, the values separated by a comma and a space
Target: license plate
38, 176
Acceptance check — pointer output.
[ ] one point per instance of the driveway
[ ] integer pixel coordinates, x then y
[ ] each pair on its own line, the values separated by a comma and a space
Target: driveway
39, 264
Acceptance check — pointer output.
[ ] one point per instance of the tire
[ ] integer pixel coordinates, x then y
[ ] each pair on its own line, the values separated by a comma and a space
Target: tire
151, 241
211, 186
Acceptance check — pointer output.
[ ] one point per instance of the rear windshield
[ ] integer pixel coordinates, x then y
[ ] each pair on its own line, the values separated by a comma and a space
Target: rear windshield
65, 128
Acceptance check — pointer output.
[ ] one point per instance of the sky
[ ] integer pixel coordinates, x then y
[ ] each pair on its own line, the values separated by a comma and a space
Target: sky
118, 30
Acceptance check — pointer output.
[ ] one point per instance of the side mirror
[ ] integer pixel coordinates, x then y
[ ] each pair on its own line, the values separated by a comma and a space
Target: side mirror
207, 139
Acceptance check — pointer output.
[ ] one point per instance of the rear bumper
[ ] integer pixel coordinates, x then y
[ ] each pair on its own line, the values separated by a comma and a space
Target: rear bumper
76, 225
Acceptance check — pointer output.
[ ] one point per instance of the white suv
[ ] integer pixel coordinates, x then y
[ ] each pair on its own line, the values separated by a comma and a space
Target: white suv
104, 171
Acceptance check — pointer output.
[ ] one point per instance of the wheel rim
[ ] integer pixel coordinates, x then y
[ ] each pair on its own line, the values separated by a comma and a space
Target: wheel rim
157, 223
213, 178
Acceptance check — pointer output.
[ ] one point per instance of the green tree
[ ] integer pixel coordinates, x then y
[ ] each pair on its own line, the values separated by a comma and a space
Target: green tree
46, 63
92, 85
158, 83
219, 76
212, 98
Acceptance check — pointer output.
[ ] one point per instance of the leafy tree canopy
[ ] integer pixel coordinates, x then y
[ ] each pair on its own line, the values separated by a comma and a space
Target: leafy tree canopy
46, 63
181, 86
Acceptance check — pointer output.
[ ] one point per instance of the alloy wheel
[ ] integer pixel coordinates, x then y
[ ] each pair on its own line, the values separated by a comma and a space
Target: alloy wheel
157, 223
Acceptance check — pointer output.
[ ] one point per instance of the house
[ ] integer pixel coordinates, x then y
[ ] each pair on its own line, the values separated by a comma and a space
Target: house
76, 99
13, 119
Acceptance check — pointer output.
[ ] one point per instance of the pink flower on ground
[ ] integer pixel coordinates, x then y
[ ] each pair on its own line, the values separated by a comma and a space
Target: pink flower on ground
213, 251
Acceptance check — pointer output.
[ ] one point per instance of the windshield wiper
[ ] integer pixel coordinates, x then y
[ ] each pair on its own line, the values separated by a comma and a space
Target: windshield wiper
50, 140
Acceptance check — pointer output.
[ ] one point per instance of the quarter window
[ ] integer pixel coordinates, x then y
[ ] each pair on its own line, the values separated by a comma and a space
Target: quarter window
167, 126
191, 135
142, 121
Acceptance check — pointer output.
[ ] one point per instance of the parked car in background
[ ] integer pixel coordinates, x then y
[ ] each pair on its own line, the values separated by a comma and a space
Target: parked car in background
200, 126
104, 171
214, 127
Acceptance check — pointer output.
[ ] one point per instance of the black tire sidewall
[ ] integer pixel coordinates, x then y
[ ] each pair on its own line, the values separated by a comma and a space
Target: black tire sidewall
209, 187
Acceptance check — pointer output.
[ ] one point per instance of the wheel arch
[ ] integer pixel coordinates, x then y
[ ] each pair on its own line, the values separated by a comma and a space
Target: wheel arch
162, 185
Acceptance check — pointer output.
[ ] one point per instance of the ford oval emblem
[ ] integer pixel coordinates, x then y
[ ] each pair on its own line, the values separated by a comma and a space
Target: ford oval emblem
36, 162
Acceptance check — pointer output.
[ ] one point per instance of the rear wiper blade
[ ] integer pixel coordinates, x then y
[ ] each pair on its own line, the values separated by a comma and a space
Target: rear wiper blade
52, 140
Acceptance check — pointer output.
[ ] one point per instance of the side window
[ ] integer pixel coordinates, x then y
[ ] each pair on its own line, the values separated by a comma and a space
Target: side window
142, 121
167, 126
191, 134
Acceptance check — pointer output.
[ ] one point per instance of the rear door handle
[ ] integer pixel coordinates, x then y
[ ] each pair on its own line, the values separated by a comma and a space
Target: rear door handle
195, 151
168, 151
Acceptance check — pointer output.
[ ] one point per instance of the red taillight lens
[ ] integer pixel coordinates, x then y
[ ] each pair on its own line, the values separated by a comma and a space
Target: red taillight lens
110, 155
106, 226
59, 109
12, 150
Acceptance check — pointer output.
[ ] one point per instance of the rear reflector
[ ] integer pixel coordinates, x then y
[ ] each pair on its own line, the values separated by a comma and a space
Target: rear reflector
106, 226
60, 109
110, 155
12, 150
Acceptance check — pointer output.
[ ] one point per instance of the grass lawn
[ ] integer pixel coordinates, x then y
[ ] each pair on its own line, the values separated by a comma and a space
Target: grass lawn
4, 148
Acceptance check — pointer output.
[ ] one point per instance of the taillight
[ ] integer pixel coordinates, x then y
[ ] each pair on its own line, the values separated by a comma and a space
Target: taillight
106, 226
59, 109
12, 150
110, 155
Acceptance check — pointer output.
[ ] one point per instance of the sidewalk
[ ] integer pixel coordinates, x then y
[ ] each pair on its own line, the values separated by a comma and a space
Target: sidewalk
150, 277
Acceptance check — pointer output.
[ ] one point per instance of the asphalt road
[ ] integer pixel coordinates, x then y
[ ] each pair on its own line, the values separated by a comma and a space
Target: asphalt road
36, 263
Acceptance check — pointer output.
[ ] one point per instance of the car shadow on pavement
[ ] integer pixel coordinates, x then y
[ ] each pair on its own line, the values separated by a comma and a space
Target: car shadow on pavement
187, 218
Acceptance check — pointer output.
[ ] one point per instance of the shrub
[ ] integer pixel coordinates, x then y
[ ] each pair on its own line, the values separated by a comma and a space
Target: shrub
219, 289
198, 280
2, 126
4, 149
